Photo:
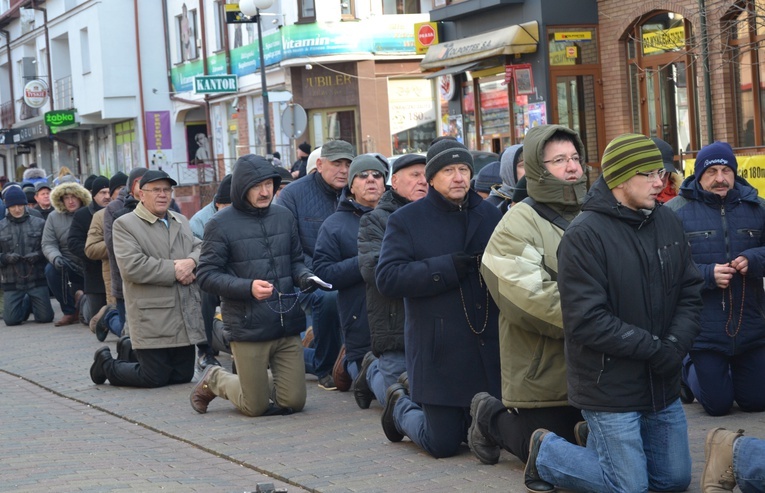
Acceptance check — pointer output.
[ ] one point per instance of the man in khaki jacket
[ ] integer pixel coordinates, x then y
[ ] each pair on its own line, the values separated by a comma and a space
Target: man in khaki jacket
157, 255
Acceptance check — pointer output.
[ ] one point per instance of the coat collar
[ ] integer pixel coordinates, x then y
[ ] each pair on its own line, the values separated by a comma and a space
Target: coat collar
150, 218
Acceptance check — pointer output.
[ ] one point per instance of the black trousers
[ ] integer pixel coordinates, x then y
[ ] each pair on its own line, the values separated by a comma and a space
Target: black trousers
155, 368
512, 429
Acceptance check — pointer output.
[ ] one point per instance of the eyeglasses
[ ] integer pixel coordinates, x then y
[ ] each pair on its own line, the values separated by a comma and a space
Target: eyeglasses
563, 160
653, 175
365, 174
157, 191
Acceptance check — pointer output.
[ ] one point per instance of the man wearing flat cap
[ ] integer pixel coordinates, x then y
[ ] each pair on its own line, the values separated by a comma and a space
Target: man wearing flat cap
42, 199
430, 257
157, 256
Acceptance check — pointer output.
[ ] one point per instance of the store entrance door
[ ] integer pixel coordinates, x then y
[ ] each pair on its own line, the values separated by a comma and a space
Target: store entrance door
332, 124
577, 102
668, 107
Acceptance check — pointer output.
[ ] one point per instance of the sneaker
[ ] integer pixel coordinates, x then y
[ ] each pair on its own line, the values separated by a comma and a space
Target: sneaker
718, 468
581, 432
534, 483
206, 360
361, 391
686, 394
392, 395
483, 447
327, 383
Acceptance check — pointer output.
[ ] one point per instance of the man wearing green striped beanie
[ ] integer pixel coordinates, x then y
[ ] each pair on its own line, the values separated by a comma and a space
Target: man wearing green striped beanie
629, 155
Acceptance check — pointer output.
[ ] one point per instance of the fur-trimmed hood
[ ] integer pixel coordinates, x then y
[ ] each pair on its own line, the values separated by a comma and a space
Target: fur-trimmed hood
32, 173
57, 195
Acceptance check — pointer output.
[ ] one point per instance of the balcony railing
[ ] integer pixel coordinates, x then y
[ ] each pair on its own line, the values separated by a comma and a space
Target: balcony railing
26, 112
63, 96
6, 115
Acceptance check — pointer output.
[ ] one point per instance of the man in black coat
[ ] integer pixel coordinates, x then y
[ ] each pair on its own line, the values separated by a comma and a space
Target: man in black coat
251, 258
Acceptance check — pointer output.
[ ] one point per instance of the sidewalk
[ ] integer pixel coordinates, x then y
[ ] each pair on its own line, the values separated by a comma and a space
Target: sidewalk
60, 432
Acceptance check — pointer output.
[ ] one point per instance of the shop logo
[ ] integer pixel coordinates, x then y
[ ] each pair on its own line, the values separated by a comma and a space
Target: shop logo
426, 34
36, 93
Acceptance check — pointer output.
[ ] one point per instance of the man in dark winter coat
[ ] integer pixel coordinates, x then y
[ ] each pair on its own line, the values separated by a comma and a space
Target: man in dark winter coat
22, 263
312, 199
724, 222
336, 259
42, 197
631, 301
430, 256
383, 366
251, 258
298, 169
95, 292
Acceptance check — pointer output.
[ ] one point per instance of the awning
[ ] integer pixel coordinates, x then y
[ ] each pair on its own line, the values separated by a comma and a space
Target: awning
520, 38
451, 70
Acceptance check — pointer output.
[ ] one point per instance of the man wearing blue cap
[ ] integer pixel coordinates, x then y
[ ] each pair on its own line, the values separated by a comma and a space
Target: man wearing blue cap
724, 221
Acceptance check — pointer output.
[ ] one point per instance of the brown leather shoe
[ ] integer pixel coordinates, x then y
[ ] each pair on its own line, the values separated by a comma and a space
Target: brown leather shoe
340, 375
201, 395
67, 320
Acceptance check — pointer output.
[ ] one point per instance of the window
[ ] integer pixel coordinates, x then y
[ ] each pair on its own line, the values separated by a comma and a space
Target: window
347, 9
85, 50
306, 11
391, 7
220, 25
186, 40
744, 32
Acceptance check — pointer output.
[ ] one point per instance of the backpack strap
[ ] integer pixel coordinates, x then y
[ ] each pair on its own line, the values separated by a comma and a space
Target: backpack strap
547, 212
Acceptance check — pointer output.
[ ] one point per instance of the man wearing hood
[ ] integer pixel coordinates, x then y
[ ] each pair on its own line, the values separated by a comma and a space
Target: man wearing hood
511, 169
724, 222
65, 270
631, 301
520, 267
252, 259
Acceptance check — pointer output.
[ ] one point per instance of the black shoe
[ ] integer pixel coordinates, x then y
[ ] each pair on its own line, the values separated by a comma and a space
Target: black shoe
535, 484
392, 395
97, 373
125, 349
483, 447
686, 394
581, 432
361, 391
403, 379
206, 360
102, 328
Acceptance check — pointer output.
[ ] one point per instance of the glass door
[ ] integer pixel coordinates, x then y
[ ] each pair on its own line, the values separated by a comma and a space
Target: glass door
332, 124
576, 104
667, 101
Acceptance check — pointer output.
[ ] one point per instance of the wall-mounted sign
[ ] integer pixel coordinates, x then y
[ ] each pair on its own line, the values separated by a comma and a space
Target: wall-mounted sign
209, 84
663, 40
36, 93
573, 36
447, 86
60, 118
234, 15
425, 35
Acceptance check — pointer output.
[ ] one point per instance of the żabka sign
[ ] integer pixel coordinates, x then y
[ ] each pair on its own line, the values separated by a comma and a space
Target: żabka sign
36, 93
59, 118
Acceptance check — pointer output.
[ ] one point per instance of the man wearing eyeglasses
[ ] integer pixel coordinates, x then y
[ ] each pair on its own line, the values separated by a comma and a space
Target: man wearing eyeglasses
724, 221
631, 300
157, 255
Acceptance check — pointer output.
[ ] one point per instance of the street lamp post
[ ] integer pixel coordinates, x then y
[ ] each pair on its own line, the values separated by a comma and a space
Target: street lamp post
252, 8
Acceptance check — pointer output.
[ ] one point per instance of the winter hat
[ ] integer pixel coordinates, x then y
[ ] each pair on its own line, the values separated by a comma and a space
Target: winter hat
715, 154
134, 175
153, 175
407, 160
519, 191
667, 154
33, 174
627, 155
365, 162
305, 147
118, 180
89, 183
98, 184
335, 150
446, 152
15, 196
223, 195
285, 175
310, 166
42, 184
487, 177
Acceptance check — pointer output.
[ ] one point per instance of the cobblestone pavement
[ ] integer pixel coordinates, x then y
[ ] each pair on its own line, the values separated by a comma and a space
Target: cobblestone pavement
60, 432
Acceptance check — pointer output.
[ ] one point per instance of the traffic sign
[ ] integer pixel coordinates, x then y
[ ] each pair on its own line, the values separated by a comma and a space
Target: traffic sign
215, 84
294, 121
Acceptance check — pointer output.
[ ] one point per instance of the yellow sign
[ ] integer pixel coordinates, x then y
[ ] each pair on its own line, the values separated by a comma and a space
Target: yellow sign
559, 56
574, 36
750, 168
571, 52
664, 40
425, 36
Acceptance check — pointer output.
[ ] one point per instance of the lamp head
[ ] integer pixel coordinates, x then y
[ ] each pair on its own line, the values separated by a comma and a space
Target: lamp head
250, 7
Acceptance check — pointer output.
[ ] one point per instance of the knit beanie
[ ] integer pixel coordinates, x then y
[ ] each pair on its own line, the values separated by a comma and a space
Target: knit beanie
135, 174
407, 160
89, 182
305, 147
223, 195
98, 184
15, 196
667, 154
118, 180
364, 162
444, 153
627, 155
487, 177
715, 154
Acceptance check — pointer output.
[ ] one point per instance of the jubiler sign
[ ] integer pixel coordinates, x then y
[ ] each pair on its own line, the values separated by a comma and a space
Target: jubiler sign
207, 84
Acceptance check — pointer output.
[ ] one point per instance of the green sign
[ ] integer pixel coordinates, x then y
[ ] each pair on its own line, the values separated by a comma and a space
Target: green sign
60, 118
208, 84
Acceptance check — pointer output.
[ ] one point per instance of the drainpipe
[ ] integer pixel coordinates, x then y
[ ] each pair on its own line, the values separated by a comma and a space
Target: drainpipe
142, 116
47, 51
705, 65
10, 72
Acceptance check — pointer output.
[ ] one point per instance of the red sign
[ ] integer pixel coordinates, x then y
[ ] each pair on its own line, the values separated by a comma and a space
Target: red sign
426, 34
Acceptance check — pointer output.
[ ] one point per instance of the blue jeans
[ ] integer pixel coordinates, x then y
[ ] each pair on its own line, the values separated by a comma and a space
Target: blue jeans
64, 293
749, 464
327, 338
438, 430
626, 452
112, 319
384, 372
19, 304
717, 379
121, 310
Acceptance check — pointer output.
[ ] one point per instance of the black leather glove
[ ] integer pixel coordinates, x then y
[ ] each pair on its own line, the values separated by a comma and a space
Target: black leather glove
307, 285
59, 262
32, 258
462, 263
11, 258
669, 359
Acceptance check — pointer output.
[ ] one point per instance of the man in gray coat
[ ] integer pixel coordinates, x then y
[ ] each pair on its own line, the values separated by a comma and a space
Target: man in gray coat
157, 255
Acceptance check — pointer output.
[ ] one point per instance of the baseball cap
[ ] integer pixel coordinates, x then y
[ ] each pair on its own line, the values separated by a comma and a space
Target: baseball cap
156, 175
338, 149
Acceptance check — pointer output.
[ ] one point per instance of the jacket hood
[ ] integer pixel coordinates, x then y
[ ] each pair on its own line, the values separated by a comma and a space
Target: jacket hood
741, 191
565, 197
70, 188
248, 172
601, 199
32, 173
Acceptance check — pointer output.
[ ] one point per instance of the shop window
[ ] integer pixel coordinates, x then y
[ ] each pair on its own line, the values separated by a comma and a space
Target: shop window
661, 80
127, 146
465, 130
392, 7
412, 115
745, 38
